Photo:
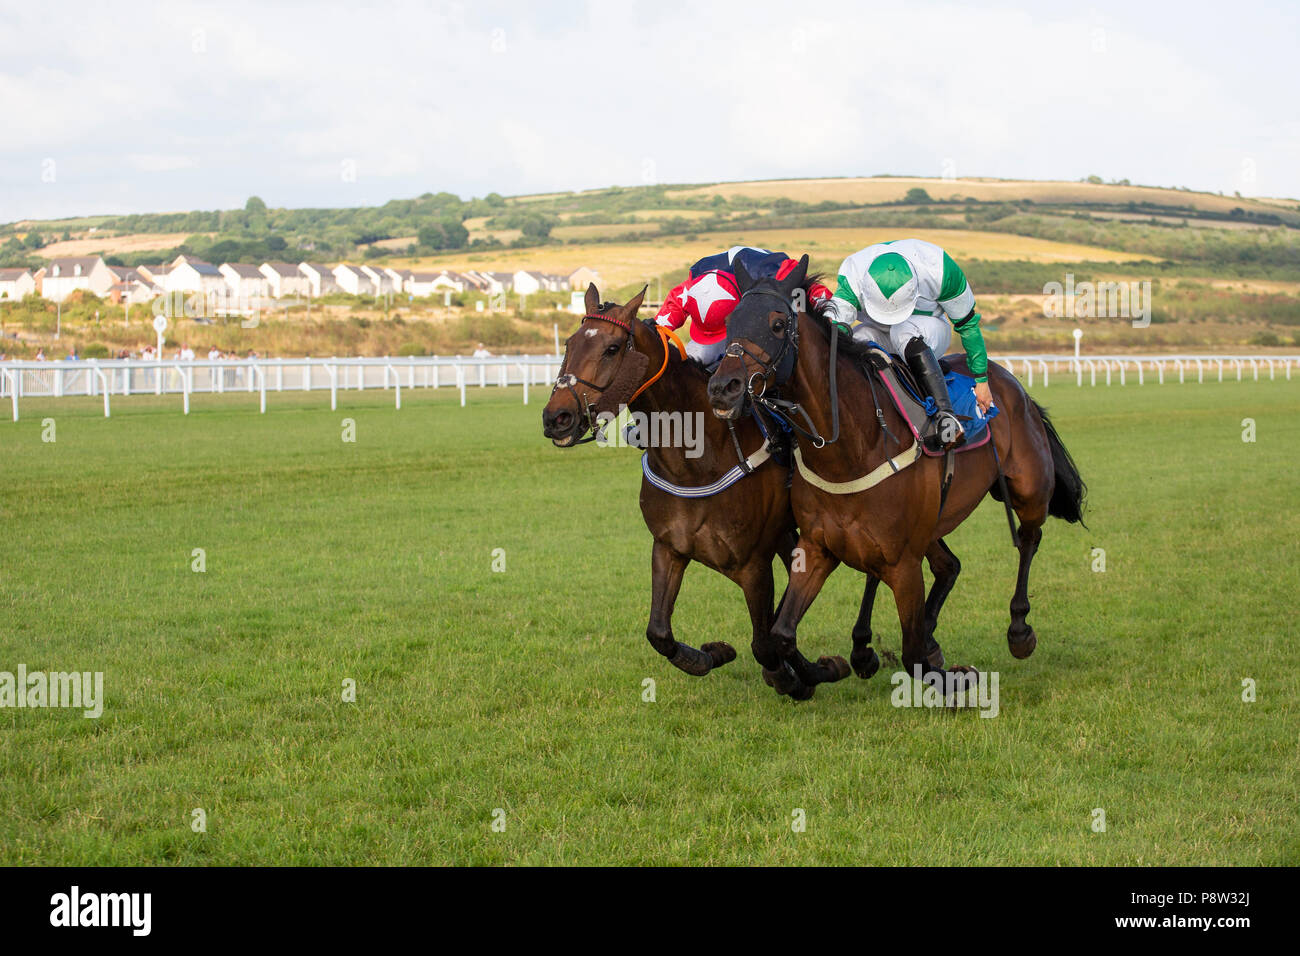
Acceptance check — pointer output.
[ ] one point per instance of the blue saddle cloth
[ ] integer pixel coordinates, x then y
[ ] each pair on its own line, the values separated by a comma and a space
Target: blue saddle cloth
961, 392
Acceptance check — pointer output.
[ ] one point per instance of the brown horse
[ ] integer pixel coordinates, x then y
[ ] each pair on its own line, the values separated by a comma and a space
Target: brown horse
898, 517
614, 360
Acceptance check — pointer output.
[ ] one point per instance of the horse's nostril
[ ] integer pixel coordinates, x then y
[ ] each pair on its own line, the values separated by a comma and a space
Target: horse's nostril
563, 420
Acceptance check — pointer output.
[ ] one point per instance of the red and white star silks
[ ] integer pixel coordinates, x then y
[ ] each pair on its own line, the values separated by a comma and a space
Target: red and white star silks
708, 299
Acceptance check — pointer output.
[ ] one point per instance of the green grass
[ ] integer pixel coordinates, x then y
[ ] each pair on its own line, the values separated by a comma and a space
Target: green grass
522, 690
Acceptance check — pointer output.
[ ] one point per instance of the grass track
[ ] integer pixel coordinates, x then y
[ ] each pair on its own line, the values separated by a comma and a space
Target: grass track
522, 690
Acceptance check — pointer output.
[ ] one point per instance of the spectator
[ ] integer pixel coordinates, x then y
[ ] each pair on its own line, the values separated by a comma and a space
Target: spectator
40, 355
482, 352
214, 354
186, 353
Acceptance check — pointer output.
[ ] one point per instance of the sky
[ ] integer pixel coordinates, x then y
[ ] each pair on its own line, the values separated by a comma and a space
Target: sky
134, 107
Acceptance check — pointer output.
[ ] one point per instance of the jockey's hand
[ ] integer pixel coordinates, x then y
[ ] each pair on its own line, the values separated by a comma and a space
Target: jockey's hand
983, 397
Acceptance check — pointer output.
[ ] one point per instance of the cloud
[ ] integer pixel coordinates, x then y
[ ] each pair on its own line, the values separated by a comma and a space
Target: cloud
272, 100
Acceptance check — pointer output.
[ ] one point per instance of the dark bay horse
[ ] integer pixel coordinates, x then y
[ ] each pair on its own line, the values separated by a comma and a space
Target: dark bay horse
887, 527
613, 359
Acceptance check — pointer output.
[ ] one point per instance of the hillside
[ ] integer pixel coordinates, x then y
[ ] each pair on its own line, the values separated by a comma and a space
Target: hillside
1225, 270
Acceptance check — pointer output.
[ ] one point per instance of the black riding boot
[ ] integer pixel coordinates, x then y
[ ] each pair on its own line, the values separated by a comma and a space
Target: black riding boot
925, 368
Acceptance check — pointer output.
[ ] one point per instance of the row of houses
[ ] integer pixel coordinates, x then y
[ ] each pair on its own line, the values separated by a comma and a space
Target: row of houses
233, 280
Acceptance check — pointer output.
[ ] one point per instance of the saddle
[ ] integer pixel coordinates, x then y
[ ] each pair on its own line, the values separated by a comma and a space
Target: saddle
917, 410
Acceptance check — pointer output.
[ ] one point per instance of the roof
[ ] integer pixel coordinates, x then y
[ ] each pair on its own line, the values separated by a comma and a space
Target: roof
70, 263
198, 265
281, 268
351, 268
243, 270
322, 269
9, 275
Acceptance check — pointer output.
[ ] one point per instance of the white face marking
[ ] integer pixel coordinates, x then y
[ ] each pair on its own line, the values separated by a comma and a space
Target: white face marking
589, 333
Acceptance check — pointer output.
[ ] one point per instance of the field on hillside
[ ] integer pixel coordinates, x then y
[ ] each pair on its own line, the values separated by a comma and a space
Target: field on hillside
517, 696
884, 189
622, 263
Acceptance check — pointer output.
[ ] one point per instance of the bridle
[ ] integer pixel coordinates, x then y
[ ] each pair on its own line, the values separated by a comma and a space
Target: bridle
778, 370
780, 367
622, 388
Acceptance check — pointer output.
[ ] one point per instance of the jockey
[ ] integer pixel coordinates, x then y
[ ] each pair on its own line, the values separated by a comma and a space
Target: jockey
710, 294
907, 296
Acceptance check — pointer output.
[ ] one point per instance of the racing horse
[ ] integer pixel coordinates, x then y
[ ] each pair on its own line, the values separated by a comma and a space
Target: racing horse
861, 499
728, 509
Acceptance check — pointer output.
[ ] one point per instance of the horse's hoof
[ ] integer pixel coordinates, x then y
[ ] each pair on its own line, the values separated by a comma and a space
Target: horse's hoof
969, 681
836, 665
934, 654
1021, 647
720, 651
865, 662
784, 681
803, 692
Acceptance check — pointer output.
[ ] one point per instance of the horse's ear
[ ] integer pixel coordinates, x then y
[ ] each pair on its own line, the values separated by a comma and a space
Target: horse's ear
592, 302
797, 275
743, 279
629, 310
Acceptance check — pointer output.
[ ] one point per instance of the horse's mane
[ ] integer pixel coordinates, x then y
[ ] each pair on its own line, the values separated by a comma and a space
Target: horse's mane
818, 313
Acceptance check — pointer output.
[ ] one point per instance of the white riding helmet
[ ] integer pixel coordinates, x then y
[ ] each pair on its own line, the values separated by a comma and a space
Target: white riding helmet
889, 289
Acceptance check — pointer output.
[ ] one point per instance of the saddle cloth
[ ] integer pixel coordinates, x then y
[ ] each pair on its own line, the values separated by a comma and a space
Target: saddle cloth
917, 411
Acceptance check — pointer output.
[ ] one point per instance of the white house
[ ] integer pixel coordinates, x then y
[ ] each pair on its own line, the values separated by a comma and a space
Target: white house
244, 281
495, 283
379, 278
16, 283
131, 287
422, 284
155, 274
283, 279
190, 274
61, 277
352, 280
320, 279
582, 277
448, 281
398, 277
526, 282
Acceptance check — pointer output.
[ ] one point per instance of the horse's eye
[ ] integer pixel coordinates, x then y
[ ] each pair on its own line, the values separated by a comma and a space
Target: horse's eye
778, 326
612, 350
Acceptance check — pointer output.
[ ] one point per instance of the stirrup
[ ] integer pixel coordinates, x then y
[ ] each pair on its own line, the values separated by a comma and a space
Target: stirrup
942, 418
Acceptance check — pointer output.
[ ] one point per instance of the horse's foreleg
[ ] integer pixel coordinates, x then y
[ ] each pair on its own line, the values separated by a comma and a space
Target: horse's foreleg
1020, 636
778, 652
864, 660
945, 567
667, 568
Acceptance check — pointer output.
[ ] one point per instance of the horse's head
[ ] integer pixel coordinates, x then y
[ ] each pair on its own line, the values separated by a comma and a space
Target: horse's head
762, 339
601, 370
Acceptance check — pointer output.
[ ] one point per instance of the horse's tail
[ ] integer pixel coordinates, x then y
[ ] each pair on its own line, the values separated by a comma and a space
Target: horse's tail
1068, 496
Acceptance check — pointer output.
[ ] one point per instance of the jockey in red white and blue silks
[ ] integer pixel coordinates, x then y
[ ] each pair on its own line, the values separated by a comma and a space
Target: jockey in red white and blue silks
710, 294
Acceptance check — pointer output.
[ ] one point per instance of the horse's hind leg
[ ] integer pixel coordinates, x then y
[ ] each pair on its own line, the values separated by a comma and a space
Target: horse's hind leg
863, 659
1020, 636
667, 568
908, 584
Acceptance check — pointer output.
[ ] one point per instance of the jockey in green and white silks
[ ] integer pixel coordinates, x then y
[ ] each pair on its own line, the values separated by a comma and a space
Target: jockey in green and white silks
907, 296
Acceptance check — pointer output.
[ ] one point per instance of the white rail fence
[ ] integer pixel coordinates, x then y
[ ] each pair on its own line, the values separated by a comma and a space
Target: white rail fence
124, 377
